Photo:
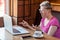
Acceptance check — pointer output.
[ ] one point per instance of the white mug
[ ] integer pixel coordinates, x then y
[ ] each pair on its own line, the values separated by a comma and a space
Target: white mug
37, 34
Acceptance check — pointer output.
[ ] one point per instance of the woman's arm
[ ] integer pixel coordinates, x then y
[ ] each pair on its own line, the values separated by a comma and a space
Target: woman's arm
52, 30
33, 27
26, 25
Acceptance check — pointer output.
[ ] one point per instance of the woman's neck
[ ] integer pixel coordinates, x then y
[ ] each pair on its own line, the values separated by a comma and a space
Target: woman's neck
49, 17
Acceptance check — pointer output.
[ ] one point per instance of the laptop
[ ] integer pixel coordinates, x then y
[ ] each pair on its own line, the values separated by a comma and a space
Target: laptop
13, 29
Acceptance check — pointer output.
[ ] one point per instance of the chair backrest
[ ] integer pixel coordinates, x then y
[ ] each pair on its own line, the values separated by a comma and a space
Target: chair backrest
56, 14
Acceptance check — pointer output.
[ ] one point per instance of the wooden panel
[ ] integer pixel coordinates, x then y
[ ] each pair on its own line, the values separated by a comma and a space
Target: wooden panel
27, 10
33, 11
27, 2
32, 1
15, 8
20, 2
56, 8
32, 7
20, 19
37, 1
10, 7
14, 19
20, 11
1, 22
54, 1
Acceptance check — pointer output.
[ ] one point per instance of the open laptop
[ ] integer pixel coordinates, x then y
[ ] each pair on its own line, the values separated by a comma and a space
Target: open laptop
13, 30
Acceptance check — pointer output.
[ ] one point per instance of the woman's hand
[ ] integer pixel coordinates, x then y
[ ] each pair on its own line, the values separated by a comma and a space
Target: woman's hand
24, 23
36, 27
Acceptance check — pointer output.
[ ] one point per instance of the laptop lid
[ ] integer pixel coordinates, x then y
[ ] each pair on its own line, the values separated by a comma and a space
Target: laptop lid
8, 23
9, 27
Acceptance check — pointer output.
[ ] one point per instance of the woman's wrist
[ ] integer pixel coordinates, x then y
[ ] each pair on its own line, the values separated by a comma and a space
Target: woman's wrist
30, 27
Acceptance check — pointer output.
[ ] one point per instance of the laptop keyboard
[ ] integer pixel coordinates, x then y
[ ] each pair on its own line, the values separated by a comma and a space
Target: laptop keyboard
16, 31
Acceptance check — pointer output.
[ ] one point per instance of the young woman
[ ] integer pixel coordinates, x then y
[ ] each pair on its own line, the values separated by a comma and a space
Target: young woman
49, 24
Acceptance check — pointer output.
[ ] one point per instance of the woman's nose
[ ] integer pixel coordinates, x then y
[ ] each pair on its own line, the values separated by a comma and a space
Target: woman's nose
40, 11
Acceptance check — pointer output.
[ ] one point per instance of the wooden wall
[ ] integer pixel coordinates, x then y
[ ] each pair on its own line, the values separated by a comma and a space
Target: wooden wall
1, 22
27, 10
54, 1
24, 10
55, 6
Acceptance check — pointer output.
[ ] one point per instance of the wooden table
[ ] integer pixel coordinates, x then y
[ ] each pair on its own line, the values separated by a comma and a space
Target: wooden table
5, 35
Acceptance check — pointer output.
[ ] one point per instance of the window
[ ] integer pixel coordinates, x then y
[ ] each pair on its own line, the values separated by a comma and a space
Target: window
2, 7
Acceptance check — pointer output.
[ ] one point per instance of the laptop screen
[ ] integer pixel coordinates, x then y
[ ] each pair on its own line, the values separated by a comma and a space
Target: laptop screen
8, 23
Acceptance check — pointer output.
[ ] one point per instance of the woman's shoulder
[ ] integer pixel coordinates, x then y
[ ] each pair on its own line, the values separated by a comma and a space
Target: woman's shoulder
54, 21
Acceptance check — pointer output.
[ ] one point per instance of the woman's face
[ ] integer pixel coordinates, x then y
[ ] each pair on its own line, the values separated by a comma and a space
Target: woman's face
43, 11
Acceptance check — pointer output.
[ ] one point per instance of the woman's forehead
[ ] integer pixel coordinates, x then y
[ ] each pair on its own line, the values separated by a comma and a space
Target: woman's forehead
42, 7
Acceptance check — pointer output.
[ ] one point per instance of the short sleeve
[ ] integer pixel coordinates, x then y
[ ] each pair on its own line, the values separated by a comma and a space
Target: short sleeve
55, 22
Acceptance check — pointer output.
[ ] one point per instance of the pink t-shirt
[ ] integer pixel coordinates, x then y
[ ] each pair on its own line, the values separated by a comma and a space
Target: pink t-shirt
53, 22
